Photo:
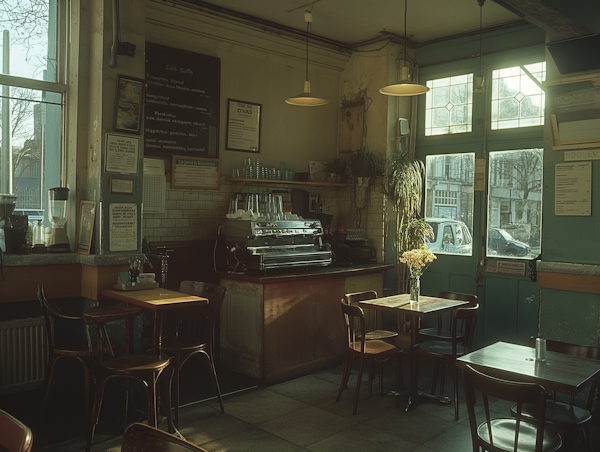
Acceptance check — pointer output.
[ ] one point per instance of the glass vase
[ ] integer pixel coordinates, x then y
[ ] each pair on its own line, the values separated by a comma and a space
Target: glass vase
415, 289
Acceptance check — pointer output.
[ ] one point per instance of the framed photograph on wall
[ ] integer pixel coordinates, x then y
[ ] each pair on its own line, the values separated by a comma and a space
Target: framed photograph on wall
130, 95
243, 126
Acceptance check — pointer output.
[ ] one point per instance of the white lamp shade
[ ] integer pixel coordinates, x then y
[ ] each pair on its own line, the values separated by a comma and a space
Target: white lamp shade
405, 87
306, 99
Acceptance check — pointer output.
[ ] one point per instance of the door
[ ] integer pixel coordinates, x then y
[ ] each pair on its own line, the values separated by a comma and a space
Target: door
483, 158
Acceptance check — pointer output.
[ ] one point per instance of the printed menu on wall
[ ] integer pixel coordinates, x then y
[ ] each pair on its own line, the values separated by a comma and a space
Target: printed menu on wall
181, 102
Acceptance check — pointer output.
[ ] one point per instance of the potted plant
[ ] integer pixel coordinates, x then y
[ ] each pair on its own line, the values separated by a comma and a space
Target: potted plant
403, 187
364, 166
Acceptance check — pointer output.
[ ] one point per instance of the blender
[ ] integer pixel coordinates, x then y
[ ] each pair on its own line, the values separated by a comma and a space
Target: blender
7, 207
57, 214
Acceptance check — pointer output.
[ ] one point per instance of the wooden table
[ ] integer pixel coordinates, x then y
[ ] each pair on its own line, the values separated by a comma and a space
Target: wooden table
400, 304
559, 372
157, 301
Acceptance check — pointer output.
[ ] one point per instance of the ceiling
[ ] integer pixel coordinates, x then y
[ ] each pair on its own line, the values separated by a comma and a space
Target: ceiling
352, 22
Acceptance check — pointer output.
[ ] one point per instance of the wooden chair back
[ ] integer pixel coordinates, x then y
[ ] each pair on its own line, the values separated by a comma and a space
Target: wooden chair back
144, 438
472, 299
356, 297
506, 434
14, 435
354, 321
464, 320
50, 311
199, 321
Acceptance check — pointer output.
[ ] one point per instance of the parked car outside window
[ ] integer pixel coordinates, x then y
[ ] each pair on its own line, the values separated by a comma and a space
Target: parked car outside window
501, 243
449, 237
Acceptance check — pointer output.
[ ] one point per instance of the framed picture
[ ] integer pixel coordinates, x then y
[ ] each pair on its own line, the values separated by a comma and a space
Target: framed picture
128, 114
122, 186
85, 227
243, 126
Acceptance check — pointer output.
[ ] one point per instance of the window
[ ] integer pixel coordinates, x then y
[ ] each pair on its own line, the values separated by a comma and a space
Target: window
32, 90
449, 105
449, 202
517, 97
515, 203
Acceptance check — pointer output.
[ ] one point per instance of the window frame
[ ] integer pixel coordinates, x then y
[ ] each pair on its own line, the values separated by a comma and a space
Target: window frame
59, 87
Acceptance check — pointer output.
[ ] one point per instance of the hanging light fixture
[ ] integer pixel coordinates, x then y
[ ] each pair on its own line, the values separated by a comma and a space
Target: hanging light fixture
404, 87
306, 99
479, 87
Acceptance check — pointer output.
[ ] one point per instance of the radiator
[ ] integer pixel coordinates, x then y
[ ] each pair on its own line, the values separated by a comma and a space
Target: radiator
23, 354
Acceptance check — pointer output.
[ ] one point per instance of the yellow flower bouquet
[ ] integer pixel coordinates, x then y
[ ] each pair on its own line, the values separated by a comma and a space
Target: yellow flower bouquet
418, 260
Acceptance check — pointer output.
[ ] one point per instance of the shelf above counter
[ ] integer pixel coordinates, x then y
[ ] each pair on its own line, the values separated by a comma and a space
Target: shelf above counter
241, 183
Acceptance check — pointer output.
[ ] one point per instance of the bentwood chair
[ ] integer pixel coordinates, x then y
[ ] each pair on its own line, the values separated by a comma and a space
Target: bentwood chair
14, 435
567, 417
144, 438
367, 350
143, 368
354, 299
449, 350
445, 333
507, 434
192, 331
77, 349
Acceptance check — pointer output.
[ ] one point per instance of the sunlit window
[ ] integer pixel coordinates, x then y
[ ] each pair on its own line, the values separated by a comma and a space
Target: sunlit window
32, 88
449, 105
515, 203
449, 202
517, 96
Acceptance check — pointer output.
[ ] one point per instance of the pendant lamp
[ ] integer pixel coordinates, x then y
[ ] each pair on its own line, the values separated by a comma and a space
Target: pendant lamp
479, 87
404, 87
306, 99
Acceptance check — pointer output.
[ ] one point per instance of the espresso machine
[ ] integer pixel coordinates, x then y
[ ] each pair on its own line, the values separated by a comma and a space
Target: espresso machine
269, 244
7, 207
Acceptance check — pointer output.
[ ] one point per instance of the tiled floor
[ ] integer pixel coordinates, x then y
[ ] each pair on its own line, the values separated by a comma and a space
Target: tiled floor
302, 415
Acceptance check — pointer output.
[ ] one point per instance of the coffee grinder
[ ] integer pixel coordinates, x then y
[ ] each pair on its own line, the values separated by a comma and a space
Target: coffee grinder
57, 214
7, 207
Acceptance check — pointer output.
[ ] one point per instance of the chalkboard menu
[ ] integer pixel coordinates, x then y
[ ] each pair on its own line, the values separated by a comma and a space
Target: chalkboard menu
181, 102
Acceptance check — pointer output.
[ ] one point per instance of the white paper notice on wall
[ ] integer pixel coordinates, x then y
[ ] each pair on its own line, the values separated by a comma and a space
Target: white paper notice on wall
155, 183
573, 189
479, 182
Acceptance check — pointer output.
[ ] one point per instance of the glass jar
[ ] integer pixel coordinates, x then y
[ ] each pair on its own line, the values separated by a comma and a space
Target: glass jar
39, 234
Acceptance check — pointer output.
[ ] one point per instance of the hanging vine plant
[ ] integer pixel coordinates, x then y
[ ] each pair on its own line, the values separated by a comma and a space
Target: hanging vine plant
365, 166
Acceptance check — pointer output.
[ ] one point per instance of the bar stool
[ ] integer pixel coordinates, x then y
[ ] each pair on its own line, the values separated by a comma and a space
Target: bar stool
143, 368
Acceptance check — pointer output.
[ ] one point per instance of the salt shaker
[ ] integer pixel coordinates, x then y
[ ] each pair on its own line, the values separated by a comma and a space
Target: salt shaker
540, 349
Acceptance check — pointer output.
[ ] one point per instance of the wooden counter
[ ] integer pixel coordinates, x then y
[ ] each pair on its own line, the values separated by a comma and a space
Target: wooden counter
280, 326
62, 274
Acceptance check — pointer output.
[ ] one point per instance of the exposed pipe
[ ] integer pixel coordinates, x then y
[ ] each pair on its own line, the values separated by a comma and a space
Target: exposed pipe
116, 38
